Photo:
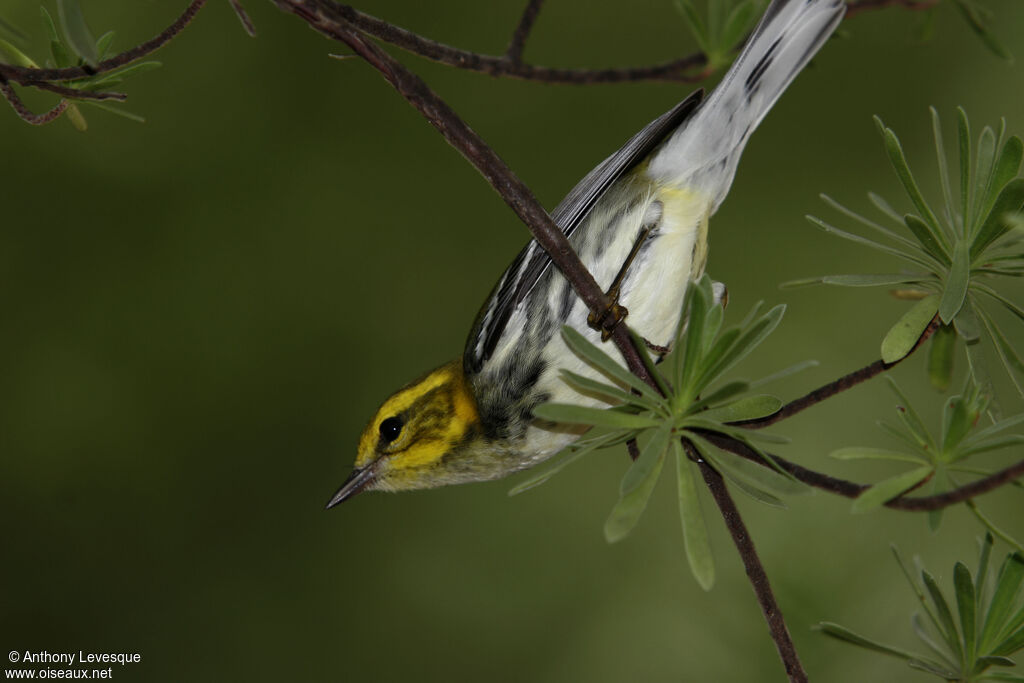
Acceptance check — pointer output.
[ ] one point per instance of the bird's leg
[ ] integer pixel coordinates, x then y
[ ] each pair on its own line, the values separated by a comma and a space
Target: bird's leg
606, 321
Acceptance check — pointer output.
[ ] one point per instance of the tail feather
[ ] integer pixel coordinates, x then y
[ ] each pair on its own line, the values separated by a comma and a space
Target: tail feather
703, 153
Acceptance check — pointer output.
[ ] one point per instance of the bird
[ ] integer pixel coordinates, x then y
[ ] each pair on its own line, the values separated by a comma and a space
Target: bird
639, 222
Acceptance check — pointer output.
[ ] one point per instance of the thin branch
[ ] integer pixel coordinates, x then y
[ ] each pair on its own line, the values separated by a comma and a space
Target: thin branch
755, 571
20, 74
838, 386
855, 7
996, 531
75, 93
25, 113
330, 19
851, 489
674, 71
243, 17
514, 53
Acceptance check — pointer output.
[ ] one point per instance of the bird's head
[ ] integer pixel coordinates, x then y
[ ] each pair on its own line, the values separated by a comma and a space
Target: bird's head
418, 436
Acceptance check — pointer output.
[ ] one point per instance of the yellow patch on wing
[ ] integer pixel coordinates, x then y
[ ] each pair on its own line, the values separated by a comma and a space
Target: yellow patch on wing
682, 206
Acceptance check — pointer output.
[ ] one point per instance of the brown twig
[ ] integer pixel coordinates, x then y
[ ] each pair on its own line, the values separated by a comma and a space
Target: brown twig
674, 71
75, 93
330, 19
755, 570
243, 17
25, 113
838, 386
19, 74
514, 53
851, 489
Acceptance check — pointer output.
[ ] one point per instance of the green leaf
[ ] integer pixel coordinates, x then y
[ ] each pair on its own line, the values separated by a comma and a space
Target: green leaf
940, 357
944, 615
653, 453
1002, 676
976, 21
695, 23
903, 336
865, 242
747, 342
103, 44
121, 74
885, 207
785, 372
12, 30
888, 489
983, 172
603, 362
927, 237
846, 635
739, 23
49, 26
965, 605
940, 484
1009, 201
695, 532
74, 115
994, 429
628, 510
598, 417
874, 279
1007, 354
694, 342
955, 290
1008, 584
757, 475
745, 486
963, 128
899, 163
72, 21
966, 324
16, 56
1010, 306
940, 152
1011, 644
722, 393
932, 668
863, 453
910, 417
596, 389
571, 455
114, 109
1005, 169
882, 206
983, 558
925, 637
712, 326
747, 408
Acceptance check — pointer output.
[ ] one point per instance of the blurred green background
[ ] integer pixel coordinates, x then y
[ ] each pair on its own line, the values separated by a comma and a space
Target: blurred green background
201, 312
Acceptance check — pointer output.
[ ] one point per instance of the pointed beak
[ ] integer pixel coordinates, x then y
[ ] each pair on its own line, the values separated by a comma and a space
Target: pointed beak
356, 482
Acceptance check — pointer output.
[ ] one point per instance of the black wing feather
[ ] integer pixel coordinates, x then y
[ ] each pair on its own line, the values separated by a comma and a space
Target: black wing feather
531, 263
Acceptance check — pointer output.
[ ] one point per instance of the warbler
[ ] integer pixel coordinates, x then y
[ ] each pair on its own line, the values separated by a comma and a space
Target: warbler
639, 222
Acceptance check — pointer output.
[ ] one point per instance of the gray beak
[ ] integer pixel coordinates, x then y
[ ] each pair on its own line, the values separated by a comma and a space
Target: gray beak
356, 482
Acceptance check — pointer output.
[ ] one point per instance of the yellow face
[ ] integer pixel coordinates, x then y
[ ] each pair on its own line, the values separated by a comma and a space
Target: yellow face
404, 445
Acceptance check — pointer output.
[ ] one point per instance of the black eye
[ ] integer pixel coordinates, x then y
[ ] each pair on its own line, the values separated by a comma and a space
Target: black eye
390, 429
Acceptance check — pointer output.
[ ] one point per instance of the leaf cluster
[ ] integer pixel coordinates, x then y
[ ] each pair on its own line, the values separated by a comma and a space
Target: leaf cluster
952, 252
724, 28
691, 400
73, 45
939, 459
987, 628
